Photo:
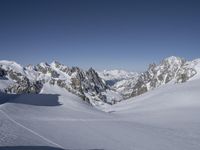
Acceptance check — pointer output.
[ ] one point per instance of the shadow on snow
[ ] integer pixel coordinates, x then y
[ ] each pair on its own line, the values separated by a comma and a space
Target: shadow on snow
30, 99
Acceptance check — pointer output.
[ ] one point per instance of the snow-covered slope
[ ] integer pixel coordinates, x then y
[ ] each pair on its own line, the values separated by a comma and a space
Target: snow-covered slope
164, 118
172, 111
5, 83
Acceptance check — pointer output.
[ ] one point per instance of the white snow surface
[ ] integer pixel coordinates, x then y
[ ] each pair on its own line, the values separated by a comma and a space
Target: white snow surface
4, 83
166, 118
11, 65
15, 67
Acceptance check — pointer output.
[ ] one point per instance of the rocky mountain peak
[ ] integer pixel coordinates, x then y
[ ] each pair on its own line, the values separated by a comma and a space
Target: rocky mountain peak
56, 64
171, 69
173, 59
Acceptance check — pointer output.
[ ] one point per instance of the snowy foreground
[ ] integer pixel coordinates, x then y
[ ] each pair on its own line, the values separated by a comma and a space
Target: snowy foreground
167, 118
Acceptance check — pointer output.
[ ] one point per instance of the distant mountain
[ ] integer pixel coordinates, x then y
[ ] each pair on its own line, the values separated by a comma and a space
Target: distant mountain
120, 80
107, 87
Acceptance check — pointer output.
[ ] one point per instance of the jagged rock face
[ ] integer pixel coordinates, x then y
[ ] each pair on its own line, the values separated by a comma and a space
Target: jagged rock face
91, 83
61, 67
86, 84
186, 72
25, 86
18, 77
94, 82
22, 84
172, 68
83, 83
45, 68
2, 72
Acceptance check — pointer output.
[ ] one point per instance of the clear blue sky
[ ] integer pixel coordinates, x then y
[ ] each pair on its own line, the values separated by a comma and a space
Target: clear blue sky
103, 34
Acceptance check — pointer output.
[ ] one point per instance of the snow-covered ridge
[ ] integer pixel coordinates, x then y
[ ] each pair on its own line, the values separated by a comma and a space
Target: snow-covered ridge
11, 65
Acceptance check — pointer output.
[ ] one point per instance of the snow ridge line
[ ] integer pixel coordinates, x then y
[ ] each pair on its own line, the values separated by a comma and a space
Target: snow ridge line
33, 132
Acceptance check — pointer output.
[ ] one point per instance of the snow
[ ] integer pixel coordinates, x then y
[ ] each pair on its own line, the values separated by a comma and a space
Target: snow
11, 65
120, 80
112, 96
14, 134
173, 60
195, 64
43, 64
15, 67
116, 74
125, 86
169, 96
164, 118
62, 75
4, 83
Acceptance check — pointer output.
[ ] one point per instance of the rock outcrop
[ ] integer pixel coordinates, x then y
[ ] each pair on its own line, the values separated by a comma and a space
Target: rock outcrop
172, 69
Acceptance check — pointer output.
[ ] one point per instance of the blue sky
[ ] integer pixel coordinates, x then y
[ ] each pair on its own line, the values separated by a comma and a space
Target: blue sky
102, 34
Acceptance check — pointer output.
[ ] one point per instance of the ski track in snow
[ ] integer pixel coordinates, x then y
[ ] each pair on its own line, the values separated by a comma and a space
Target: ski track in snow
33, 132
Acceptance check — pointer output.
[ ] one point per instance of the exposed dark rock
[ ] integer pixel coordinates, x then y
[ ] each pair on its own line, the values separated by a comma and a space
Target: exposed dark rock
15, 76
185, 74
2, 72
157, 75
25, 86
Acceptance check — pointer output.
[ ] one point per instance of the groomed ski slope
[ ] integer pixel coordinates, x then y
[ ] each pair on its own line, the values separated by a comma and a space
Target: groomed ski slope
166, 118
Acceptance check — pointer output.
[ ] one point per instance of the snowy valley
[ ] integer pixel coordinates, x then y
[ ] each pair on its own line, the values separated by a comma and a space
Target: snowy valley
56, 107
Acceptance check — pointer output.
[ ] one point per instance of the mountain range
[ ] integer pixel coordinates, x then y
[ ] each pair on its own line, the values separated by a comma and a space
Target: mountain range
98, 88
